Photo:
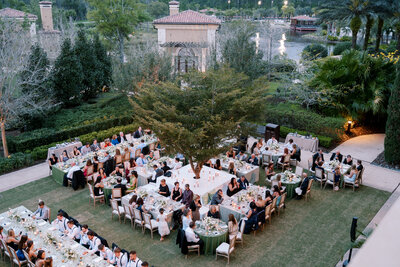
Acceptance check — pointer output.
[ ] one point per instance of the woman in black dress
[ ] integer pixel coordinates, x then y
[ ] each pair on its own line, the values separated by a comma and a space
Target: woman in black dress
98, 187
233, 187
218, 164
52, 160
164, 190
176, 192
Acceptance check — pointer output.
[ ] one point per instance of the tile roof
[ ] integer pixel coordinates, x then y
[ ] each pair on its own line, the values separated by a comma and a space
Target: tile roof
13, 13
303, 18
188, 17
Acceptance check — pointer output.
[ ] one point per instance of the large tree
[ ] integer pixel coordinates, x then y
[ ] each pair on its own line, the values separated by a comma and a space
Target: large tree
116, 19
103, 63
392, 139
196, 115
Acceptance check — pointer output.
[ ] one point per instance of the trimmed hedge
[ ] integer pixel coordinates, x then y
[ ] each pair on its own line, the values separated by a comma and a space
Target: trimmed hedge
30, 140
323, 140
39, 153
15, 161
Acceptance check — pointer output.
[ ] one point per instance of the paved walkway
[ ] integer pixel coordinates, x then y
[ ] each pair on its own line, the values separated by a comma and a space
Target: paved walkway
23, 176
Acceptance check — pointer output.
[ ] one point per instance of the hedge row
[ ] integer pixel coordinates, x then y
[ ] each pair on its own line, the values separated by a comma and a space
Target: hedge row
15, 161
323, 140
301, 119
39, 153
47, 136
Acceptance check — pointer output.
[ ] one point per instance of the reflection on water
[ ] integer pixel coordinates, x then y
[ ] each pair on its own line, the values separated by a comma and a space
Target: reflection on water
282, 48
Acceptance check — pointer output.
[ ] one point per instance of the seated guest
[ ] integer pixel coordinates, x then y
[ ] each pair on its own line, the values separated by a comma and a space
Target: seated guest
86, 149
319, 156
107, 142
352, 176
95, 146
76, 152
195, 206
260, 203
52, 160
21, 247
272, 141
348, 160
217, 197
41, 257
277, 193
360, 167
230, 153
233, 226
231, 168
217, 164
73, 231
64, 156
290, 144
268, 197
156, 173
319, 166
106, 157
260, 144
233, 187
101, 174
165, 167
30, 249
141, 161
254, 149
337, 156
119, 259
186, 218
118, 171
213, 213
84, 237
176, 192
71, 171
209, 164
95, 162
295, 153
251, 222
114, 140
241, 156
42, 213
133, 180
336, 178
60, 222
134, 261
253, 160
94, 243
12, 240
302, 190
138, 133
187, 195
85, 169
286, 156
192, 238
150, 156
277, 181
141, 145
177, 164
106, 253
243, 183
133, 200
98, 187
120, 185
269, 172
121, 137
164, 190
139, 205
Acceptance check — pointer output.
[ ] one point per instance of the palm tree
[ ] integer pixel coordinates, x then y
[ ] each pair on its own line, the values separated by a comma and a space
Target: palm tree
351, 10
383, 8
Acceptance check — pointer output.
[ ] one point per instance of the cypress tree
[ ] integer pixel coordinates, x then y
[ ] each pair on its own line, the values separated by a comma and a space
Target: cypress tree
392, 139
103, 63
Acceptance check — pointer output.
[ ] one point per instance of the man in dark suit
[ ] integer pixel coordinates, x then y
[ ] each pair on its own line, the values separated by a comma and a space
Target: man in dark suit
337, 156
253, 160
138, 133
120, 185
157, 173
317, 155
302, 190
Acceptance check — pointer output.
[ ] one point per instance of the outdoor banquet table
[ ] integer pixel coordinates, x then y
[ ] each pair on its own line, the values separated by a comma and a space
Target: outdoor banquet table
251, 172
213, 232
146, 172
290, 181
109, 183
64, 251
329, 166
59, 148
210, 181
309, 144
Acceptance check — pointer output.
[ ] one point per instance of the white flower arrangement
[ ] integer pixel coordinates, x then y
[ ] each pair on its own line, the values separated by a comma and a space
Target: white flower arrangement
274, 147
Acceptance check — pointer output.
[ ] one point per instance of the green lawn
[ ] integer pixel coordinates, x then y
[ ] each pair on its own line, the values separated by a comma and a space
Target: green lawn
313, 233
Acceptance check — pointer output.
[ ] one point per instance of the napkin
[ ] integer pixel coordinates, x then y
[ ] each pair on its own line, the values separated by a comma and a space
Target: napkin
98, 259
75, 246
42, 223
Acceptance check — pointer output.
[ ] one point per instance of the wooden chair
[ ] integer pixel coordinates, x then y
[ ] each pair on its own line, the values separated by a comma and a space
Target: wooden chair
225, 249
118, 159
117, 210
152, 146
15, 259
299, 171
286, 162
28, 261
157, 154
268, 213
95, 198
266, 159
330, 179
128, 214
360, 177
239, 237
116, 194
352, 184
308, 192
137, 153
282, 202
100, 166
319, 176
193, 248
293, 162
150, 224
310, 163
4, 250
127, 157
138, 219
273, 205
102, 145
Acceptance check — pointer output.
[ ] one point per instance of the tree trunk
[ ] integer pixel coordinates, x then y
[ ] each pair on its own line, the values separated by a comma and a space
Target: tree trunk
4, 139
355, 25
196, 170
379, 34
368, 26
398, 38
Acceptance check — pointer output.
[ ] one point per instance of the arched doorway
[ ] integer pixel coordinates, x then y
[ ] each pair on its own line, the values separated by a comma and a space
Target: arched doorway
186, 60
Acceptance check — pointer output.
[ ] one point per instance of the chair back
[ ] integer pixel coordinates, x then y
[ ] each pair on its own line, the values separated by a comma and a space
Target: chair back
127, 156
116, 193
138, 214
102, 145
266, 159
91, 189
274, 202
129, 137
3, 245
27, 256
299, 171
14, 255
310, 161
152, 146
331, 176
90, 170
232, 244
114, 205
286, 159
157, 154
128, 210
242, 224
283, 198
268, 211
309, 184
118, 159
147, 219
137, 153
318, 173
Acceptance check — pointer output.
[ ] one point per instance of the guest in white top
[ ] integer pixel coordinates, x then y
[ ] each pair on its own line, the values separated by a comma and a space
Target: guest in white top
94, 243
120, 259
290, 144
272, 141
233, 227
42, 213
134, 261
84, 238
177, 164
86, 149
60, 223
163, 228
192, 238
141, 145
241, 156
73, 231
106, 253
73, 169
186, 218
141, 161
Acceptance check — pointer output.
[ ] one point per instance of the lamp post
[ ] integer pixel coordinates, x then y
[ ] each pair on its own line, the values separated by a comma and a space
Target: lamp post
349, 122
229, 3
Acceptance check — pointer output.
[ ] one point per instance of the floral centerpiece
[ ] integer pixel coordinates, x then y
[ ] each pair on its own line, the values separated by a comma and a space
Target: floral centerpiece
211, 224
13, 215
70, 254
50, 239
110, 181
142, 193
333, 163
274, 147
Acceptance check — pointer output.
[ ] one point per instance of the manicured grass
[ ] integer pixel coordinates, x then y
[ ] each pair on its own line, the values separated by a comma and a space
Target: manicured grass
313, 233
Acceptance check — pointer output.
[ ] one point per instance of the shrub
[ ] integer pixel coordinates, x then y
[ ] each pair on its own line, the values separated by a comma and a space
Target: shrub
15, 161
323, 140
283, 65
314, 51
345, 39
341, 47
332, 38
324, 26
324, 32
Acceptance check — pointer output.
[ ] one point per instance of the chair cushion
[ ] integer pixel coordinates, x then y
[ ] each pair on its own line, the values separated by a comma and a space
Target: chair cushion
239, 236
223, 248
193, 247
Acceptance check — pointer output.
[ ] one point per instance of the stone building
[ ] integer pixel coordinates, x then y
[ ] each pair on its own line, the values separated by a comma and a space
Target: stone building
187, 36
20, 16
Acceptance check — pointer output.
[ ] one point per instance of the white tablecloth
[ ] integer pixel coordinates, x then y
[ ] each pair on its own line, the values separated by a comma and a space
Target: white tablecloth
251, 172
59, 151
310, 144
